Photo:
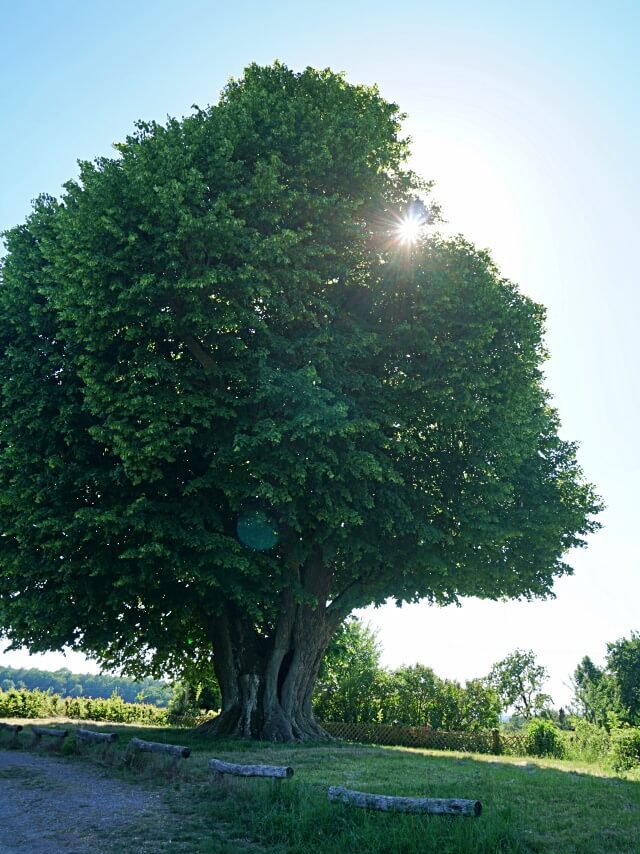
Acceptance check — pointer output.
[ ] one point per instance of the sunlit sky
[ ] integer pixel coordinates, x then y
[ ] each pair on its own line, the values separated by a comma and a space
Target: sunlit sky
526, 115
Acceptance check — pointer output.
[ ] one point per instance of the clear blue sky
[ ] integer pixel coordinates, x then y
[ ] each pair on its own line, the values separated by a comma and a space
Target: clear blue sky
525, 114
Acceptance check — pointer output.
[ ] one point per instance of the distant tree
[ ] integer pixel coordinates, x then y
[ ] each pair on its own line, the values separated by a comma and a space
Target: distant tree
67, 684
596, 693
623, 662
481, 706
416, 696
518, 680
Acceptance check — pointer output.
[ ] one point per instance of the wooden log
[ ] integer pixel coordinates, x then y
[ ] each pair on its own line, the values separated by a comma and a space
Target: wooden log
54, 733
100, 737
389, 803
38, 731
14, 728
274, 771
157, 747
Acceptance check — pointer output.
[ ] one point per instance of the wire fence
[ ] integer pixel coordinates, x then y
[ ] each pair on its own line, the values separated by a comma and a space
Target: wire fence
395, 735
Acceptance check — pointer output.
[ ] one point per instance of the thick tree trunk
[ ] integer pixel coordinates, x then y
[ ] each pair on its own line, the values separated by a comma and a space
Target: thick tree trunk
267, 685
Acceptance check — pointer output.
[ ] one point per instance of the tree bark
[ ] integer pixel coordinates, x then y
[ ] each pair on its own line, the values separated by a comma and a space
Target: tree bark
267, 684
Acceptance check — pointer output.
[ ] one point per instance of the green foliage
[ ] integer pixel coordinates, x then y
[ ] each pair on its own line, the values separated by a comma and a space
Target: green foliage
351, 686
216, 363
611, 695
64, 682
586, 741
543, 738
597, 694
481, 706
193, 700
623, 662
625, 749
40, 704
354, 688
518, 681
417, 696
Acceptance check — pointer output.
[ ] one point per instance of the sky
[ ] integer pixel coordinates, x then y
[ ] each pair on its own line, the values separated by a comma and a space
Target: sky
526, 116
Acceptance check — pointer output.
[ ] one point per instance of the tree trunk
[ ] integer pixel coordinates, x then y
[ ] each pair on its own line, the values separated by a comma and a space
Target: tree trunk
267, 685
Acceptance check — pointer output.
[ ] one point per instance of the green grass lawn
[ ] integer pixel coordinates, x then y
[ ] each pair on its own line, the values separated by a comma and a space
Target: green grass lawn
529, 805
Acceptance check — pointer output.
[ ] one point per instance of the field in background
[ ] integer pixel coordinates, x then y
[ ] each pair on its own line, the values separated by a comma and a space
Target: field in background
529, 806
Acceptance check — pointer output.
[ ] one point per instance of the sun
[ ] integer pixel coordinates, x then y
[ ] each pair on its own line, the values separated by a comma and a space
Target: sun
408, 229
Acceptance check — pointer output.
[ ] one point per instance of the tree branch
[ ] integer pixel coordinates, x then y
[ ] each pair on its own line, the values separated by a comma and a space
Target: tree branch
198, 352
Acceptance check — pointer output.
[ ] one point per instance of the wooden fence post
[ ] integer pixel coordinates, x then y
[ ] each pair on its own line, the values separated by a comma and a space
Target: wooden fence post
496, 746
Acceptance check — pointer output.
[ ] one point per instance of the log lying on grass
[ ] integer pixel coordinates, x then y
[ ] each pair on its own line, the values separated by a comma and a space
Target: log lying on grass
14, 729
100, 737
275, 772
39, 731
173, 750
389, 803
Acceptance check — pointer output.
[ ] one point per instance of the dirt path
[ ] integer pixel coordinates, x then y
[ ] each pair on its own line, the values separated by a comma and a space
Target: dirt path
53, 806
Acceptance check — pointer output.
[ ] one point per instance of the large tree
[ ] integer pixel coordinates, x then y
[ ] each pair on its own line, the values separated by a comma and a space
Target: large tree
235, 406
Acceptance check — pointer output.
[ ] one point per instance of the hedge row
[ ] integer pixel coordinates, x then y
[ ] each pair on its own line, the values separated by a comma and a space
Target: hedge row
41, 704
587, 742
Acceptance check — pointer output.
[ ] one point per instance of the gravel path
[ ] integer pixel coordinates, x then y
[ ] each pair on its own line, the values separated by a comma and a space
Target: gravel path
53, 806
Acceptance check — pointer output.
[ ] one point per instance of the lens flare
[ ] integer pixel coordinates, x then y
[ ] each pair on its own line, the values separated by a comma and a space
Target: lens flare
257, 531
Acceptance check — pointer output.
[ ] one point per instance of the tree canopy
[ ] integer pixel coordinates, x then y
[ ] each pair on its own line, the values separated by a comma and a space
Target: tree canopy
518, 679
234, 405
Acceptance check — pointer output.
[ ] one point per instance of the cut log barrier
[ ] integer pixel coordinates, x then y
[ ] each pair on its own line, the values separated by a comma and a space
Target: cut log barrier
14, 729
38, 732
272, 772
89, 735
390, 803
174, 751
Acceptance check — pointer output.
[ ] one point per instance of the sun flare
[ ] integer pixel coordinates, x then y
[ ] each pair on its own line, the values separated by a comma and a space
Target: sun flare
408, 230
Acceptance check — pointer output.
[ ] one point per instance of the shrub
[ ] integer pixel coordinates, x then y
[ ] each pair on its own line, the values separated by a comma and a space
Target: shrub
587, 742
542, 738
40, 704
625, 749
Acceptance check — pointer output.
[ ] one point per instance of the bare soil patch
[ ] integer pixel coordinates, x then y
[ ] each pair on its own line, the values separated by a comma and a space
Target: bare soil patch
50, 805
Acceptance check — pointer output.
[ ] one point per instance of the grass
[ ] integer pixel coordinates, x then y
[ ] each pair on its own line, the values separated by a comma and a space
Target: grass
530, 806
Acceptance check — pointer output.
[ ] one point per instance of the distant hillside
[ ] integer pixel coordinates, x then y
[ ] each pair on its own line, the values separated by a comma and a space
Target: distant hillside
68, 684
